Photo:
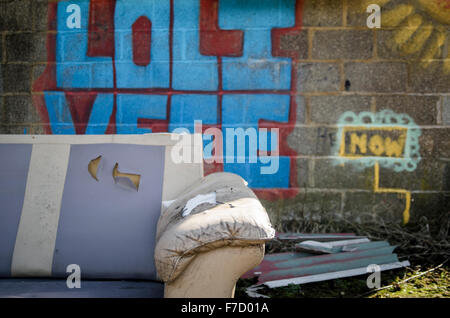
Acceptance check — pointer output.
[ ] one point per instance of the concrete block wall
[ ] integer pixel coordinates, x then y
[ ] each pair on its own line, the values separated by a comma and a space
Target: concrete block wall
298, 65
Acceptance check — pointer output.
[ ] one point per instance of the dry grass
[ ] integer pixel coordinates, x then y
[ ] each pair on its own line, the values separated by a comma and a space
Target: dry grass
425, 244
414, 282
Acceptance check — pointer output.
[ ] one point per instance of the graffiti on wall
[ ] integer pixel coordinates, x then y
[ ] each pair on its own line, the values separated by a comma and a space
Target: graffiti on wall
422, 28
383, 139
140, 66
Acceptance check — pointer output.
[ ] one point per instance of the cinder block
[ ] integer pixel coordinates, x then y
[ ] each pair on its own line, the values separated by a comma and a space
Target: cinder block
13, 129
388, 49
389, 207
129, 75
356, 13
26, 47
433, 207
234, 14
256, 68
328, 109
38, 70
179, 45
376, 77
75, 69
446, 110
372, 207
306, 206
159, 45
422, 109
318, 77
313, 141
367, 207
19, 110
297, 42
429, 78
17, 129
329, 175
435, 143
256, 73
322, 13
303, 172
2, 110
342, 44
358, 207
35, 129
76, 75
40, 13
71, 47
430, 175
16, 15
195, 75
130, 107
301, 109
16, 78
186, 109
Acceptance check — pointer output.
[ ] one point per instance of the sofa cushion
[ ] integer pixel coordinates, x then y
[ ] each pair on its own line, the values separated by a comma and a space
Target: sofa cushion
14, 163
56, 213
57, 288
236, 218
106, 227
58, 209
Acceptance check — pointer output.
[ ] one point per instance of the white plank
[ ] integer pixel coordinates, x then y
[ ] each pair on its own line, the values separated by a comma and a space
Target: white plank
330, 276
156, 139
348, 242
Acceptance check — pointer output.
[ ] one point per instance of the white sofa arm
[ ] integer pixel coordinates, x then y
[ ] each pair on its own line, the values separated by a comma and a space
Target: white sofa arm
231, 217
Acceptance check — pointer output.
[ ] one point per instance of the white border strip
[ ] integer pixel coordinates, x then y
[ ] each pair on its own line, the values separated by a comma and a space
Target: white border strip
329, 276
155, 139
36, 236
177, 177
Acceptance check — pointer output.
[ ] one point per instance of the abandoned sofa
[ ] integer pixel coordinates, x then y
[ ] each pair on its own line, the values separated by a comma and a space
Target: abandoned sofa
120, 213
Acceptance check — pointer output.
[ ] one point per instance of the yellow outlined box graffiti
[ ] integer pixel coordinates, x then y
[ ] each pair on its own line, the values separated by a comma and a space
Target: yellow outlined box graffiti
358, 142
379, 139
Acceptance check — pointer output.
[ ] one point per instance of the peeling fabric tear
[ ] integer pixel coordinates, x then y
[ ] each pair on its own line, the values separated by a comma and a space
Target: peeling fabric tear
93, 167
128, 179
197, 200
166, 204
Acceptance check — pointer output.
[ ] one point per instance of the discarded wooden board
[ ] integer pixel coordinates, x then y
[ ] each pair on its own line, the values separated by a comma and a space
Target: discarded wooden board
315, 247
323, 259
320, 237
327, 276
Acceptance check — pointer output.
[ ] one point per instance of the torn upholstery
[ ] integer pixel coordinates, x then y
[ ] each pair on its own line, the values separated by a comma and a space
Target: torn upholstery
237, 218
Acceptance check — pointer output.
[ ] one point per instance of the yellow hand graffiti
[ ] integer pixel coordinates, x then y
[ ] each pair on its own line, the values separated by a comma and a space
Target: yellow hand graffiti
438, 9
420, 28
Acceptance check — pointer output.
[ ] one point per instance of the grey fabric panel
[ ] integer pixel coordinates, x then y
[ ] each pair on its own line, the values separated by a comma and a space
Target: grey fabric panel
109, 229
57, 288
14, 165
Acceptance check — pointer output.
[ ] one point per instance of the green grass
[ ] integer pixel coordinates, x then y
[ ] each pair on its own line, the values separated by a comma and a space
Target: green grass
433, 284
